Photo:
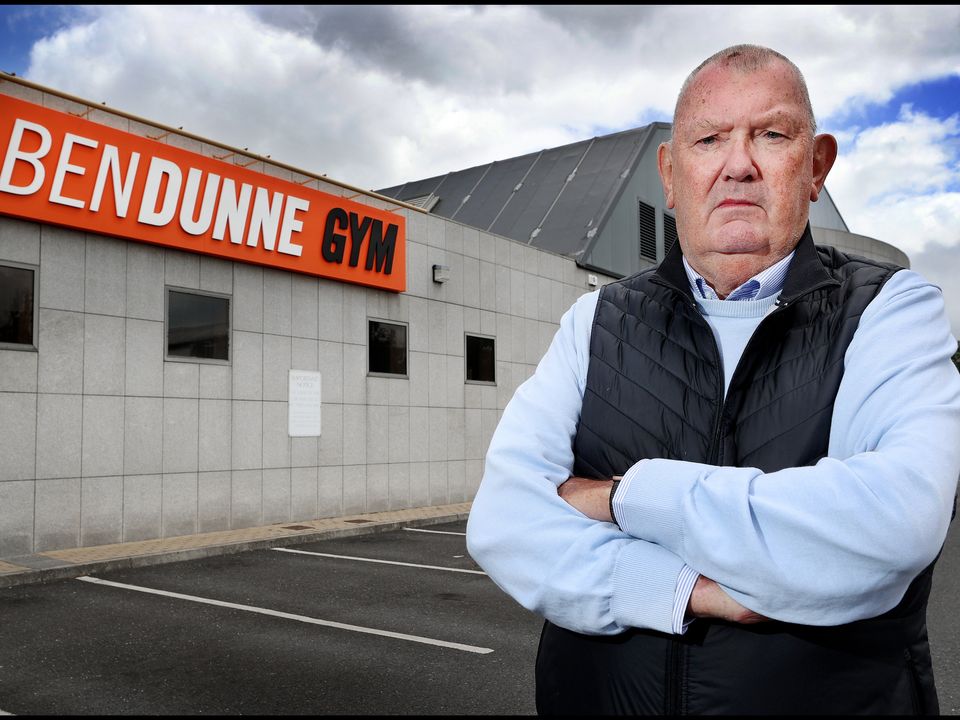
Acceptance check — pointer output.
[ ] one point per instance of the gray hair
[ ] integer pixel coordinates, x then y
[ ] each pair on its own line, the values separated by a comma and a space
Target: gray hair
747, 59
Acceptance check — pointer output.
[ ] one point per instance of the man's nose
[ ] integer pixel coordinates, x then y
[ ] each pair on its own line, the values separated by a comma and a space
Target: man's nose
739, 163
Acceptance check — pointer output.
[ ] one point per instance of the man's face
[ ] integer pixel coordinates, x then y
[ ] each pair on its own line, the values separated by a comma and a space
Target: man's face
741, 170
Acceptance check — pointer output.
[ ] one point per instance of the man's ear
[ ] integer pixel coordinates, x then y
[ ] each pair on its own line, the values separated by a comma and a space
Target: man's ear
824, 155
665, 165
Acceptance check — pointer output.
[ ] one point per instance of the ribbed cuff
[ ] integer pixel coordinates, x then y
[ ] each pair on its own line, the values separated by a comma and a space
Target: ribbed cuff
649, 498
644, 587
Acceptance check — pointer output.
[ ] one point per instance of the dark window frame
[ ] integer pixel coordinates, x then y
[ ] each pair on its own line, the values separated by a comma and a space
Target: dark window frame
406, 349
166, 326
35, 330
466, 364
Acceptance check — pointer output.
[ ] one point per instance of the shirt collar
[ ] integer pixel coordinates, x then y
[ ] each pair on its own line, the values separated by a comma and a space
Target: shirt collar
762, 285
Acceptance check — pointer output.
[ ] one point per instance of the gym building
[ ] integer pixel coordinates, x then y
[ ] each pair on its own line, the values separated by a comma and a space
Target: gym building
194, 338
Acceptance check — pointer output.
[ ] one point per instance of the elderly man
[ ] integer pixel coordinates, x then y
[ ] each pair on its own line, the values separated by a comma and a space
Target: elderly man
727, 483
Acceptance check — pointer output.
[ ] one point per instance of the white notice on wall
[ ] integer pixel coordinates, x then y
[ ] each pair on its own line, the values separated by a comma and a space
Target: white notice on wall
304, 405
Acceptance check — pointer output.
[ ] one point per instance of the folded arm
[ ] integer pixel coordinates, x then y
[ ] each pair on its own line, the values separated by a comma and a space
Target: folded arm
842, 540
581, 574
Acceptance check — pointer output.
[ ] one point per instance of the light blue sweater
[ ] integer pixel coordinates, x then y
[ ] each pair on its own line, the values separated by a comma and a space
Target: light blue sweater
822, 545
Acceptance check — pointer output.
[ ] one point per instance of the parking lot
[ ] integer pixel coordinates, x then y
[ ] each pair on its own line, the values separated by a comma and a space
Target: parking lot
387, 623
400, 622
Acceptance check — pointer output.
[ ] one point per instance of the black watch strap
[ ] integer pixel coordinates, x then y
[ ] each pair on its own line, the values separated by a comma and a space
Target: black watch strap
613, 491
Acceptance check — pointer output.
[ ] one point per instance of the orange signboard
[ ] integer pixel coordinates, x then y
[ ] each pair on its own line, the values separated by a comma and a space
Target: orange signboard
62, 169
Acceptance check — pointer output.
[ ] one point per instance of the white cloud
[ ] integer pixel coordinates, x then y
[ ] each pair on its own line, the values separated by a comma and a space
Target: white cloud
378, 94
900, 182
940, 264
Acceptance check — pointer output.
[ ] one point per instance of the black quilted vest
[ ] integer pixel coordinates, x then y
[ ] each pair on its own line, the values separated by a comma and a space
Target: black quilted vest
655, 390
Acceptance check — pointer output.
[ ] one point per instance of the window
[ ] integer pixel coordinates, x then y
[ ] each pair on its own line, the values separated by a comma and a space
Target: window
388, 348
480, 359
17, 306
198, 325
648, 231
669, 232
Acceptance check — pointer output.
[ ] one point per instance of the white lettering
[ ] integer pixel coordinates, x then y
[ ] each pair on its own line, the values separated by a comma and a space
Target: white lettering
64, 167
122, 188
14, 153
148, 207
234, 211
202, 223
291, 225
265, 218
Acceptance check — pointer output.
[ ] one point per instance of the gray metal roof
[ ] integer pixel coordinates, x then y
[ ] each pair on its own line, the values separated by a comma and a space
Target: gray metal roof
551, 199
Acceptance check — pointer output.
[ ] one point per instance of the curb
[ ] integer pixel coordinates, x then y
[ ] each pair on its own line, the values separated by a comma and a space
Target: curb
57, 565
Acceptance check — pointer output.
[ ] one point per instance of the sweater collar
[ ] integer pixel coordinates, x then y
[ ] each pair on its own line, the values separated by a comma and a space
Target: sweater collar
806, 272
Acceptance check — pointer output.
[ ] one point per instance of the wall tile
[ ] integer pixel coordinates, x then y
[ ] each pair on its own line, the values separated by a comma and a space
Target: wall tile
330, 310
106, 276
247, 435
62, 281
57, 514
179, 504
276, 495
439, 491
304, 486
277, 300
213, 501
276, 441
181, 418
143, 357
246, 498
104, 349
142, 435
102, 450
354, 489
330, 492
145, 284
247, 366
18, 370
419, 484
16, 521
304, 311
101, 502
142, 507
60, 352
181, 269
331, 439
247, 298
276, 367
216, 431
19, 241
378, 488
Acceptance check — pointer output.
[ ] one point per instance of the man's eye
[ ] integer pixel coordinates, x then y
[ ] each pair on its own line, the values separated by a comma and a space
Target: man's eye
773, 135
710, 140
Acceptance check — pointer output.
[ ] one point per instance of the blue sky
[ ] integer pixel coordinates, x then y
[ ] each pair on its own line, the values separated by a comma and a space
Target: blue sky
375, 95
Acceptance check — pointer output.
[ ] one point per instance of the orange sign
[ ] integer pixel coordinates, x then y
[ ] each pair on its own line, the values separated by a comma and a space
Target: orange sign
61, 169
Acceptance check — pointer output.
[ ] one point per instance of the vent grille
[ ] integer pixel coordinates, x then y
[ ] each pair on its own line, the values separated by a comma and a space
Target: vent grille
648, 232
669, 232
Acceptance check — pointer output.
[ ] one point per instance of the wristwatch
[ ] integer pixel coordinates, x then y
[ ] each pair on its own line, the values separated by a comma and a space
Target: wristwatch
613, 491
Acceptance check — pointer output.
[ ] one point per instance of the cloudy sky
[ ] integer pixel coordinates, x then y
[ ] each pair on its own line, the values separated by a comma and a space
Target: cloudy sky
373, 95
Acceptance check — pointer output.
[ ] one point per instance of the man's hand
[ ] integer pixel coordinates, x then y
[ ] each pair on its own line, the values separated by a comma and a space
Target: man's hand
591, 497
708, 600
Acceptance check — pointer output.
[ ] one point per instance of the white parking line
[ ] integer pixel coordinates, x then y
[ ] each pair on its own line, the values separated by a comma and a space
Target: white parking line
437, 532
291, 616
385, 562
